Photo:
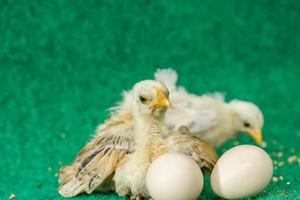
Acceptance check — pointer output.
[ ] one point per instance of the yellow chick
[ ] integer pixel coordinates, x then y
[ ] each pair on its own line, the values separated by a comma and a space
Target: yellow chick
119, 155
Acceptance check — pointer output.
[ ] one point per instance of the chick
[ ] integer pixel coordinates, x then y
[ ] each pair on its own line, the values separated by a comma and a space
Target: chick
208, 116
149, 106
118, 157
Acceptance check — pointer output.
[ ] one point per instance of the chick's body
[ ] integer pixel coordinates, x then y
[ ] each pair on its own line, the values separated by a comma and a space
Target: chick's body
148, 108
130, 176
124, 144
206, 117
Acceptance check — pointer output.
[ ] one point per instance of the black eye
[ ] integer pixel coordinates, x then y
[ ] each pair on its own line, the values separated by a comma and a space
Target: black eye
246, 124
167, 93
142, 99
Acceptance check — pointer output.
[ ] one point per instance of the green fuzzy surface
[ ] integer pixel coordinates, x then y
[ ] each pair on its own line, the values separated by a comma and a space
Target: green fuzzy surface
64, 62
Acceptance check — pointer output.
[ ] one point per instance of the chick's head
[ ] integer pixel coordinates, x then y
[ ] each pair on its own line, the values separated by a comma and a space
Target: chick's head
150, 98
250, 119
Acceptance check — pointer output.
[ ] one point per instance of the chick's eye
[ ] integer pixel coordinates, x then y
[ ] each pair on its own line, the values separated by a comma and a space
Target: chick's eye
167, 93
142, 99
246, 124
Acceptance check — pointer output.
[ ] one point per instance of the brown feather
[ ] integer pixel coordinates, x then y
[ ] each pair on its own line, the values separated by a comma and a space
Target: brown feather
66, 173
206, 153
202, 152
99, 158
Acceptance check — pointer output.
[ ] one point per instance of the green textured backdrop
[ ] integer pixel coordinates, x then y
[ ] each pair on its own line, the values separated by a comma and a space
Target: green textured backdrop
64, 62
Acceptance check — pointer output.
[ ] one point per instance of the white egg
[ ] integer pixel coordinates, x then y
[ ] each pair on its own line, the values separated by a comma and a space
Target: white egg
174, 176
242, 171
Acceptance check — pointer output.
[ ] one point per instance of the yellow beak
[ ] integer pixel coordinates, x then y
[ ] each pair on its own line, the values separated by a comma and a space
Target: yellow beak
256, 135
160, 101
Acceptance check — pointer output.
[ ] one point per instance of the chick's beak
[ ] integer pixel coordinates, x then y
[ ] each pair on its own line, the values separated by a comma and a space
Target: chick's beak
161, 100
256, 135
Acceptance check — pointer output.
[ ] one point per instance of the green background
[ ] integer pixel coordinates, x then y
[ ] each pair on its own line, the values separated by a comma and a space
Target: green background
64, 62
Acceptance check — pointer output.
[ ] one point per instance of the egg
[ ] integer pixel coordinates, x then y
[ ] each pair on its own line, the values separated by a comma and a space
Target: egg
242, 171
174, 176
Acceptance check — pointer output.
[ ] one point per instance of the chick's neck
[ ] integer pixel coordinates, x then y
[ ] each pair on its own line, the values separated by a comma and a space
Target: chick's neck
147, 126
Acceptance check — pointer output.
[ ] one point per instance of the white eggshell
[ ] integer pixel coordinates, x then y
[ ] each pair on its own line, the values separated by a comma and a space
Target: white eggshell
174, 176
242, 171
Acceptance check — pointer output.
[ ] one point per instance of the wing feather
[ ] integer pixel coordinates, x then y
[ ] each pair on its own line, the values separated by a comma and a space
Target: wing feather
99, 158
202, 152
